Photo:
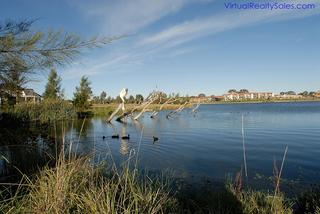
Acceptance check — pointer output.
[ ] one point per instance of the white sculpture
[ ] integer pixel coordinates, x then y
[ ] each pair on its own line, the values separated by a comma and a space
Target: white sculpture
123, 94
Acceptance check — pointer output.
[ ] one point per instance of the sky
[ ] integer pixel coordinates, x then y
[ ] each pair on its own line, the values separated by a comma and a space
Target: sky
181, 46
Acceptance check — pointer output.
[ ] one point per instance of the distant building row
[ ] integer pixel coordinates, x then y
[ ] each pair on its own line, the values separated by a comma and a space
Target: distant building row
234, 96
248, 95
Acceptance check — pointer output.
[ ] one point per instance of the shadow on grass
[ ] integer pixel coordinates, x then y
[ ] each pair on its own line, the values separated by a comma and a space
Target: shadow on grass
207, 198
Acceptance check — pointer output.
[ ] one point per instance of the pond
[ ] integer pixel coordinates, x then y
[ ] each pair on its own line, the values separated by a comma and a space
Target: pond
207, 144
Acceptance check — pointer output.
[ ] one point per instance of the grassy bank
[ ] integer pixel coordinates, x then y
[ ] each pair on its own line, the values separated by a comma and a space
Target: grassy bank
107, 109
75, 186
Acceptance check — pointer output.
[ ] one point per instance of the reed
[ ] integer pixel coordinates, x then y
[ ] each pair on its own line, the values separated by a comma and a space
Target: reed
76, 187
46, 111
244, 148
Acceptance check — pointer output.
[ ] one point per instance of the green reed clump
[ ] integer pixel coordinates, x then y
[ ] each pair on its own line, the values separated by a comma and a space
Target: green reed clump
263, 202
77, 187
45, 111
309, 200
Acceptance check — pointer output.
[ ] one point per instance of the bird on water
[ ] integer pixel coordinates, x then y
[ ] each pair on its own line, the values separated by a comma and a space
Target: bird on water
115, 136
126, 137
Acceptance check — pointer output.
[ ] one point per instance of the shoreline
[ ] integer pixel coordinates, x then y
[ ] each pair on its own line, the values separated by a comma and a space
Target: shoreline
107, 109
259, 102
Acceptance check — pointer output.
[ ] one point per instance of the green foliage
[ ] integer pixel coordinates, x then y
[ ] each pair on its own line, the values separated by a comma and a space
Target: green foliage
232, 91
26, 50
304, 93
139, 98
309, 200
39, 49
263, 203
53, 87
13, 80
244, 91
46, 111
131, 99
82, 95
118, 99
103, 96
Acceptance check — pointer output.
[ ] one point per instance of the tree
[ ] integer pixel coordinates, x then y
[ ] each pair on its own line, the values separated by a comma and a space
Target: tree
29, 50
291, 93
312, 93
232, 91
103, 96
139, 98
202, 95
109, 99
82, 94
53, 87
13, 81
118, 99
305, 93
131, 99
96, 99
244, 91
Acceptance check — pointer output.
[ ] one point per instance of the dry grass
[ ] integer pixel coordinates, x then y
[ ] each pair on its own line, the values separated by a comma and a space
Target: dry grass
76, 187
107, 109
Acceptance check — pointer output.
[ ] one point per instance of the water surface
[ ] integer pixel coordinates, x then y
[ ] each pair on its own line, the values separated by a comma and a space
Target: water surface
209, 143
203, 145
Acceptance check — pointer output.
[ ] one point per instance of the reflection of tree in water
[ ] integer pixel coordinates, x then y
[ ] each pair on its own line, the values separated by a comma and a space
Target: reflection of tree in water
82, 126
124, 147
24, 147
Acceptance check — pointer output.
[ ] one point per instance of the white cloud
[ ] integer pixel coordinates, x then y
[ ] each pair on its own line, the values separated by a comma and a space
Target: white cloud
227, 20
129, 16
140, 13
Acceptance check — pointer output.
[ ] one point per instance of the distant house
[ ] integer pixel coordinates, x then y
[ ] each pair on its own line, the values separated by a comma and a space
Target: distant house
25, 95
317, 94
289, 96
248, 95
30, 95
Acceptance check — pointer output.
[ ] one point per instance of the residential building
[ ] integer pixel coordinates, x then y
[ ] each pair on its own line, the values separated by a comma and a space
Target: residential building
30, 95
317, 94
289, 96
248, 95
26, 95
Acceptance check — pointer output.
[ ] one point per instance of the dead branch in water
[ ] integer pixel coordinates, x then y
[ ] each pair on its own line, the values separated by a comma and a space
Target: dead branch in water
121, 106
194, 110
177, 110
149, 100
170, 100
152, 99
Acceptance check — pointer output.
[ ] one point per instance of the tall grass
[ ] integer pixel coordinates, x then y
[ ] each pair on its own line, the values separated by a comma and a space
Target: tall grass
46, 111
76, 187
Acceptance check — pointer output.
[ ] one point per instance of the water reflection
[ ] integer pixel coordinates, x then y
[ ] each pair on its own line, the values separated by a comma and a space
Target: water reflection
24, 147
124, 147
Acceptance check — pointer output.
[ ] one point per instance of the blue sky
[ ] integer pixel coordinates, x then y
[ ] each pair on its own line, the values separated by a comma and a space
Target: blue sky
185, 46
